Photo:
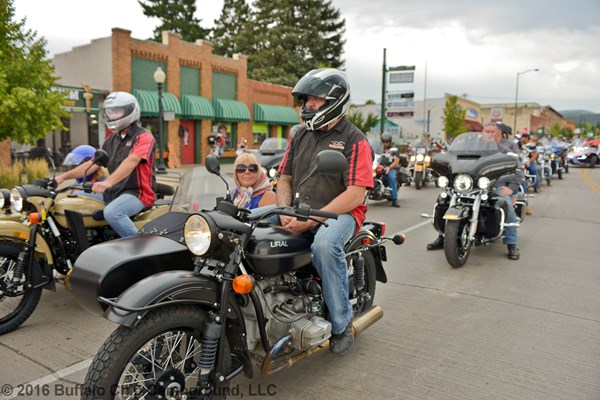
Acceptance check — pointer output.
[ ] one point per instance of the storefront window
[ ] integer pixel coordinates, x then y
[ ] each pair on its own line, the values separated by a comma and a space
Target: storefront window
229, 129
259, 133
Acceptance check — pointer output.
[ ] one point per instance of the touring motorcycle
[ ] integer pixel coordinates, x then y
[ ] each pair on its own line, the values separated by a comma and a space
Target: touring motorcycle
53, 228
237, 291
468, 212
421, 167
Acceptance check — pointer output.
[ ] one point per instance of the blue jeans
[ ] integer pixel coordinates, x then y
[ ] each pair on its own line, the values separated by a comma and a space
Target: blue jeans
534, 171
118, 212
391, 181
329, 259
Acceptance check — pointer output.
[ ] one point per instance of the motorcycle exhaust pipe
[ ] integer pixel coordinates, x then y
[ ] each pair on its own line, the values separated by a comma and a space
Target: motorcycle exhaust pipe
426, 215
359, 325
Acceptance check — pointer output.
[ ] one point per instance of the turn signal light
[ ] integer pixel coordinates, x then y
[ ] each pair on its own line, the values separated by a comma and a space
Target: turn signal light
243, 284
35, 218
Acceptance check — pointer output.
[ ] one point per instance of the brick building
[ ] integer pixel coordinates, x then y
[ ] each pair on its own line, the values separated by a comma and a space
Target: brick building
202, 93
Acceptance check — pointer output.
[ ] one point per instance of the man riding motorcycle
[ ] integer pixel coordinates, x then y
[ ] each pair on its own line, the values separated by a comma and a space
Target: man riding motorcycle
390, 160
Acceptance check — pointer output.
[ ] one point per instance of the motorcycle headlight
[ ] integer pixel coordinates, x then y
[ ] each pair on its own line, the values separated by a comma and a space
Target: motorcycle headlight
4, 198
272, 172
443, 181
463, 183
420, 157
412, 158
197, 234
16, 200
483, 182
427, 158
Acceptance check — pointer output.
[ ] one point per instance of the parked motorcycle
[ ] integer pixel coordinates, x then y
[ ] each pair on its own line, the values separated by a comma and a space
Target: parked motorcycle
468, 212
253, 293
421, 170
544, 164
381, 190
55, 226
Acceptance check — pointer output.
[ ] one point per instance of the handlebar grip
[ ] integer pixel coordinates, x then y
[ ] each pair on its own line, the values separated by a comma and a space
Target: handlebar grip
87, 187
325, 214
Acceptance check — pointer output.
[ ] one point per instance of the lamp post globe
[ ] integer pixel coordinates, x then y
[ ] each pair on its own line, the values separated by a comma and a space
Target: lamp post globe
159, 77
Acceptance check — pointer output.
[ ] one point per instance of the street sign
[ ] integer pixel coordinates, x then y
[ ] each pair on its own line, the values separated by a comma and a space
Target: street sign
399, 104
400, 95
402, 68
400, 114
402, 77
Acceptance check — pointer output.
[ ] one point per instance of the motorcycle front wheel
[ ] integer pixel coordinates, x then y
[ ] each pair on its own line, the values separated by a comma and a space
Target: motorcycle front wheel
17, 301
157, 358
457, 245
419, 180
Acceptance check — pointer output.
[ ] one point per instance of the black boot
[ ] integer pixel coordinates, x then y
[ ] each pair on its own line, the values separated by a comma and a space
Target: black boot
341, 342
436, 244
513, 252
395, 203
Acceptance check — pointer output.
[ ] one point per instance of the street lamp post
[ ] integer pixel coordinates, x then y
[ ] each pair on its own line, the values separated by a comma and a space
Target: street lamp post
159, 78
517, 95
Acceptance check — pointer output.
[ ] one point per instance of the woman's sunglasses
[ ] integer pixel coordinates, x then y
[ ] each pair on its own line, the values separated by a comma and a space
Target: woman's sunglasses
241, 168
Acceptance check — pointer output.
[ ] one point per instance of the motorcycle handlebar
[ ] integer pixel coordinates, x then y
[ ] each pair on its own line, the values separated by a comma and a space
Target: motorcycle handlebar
325, 214
87, 187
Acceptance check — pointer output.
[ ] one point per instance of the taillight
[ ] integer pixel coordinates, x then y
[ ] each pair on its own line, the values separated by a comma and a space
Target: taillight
379, 170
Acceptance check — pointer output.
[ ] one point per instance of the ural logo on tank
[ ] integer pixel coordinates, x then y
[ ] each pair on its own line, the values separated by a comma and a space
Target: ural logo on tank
279, 243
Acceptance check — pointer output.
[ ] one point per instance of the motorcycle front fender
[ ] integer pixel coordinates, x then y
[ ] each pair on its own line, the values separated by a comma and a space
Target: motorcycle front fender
456, 213
183, 286
19, 232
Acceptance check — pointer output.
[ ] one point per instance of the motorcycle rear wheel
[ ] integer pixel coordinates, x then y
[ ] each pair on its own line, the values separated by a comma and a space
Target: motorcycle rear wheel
361, 304
139, 361
14, 311
457, 246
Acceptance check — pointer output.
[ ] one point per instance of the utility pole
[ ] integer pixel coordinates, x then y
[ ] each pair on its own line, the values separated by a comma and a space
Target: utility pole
383, 94
425, 99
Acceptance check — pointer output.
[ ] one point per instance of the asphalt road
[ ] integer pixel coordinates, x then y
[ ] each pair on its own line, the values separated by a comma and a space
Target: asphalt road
494, 329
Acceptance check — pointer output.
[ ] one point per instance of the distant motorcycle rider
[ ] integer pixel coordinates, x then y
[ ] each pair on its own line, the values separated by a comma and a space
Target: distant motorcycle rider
390, 160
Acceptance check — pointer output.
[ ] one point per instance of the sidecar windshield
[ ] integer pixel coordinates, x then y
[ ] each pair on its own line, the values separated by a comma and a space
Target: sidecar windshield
198, 190
473, 143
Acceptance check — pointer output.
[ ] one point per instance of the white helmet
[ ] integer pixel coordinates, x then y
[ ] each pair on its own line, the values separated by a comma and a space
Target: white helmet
120, 109
330, 84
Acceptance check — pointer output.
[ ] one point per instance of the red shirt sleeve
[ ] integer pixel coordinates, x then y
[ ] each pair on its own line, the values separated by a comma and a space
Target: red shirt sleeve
360, 165
143, 146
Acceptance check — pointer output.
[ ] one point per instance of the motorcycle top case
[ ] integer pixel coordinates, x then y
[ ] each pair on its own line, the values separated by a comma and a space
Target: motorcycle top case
274, 251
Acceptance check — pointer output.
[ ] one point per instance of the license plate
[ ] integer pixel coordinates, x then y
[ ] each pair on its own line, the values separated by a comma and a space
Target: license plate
452, 214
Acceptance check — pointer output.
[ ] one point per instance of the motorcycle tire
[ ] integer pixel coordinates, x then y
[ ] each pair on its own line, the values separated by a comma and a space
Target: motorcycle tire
129, 349
370, 275
567, 168
457, 246
419, 180
559, 172
593, 161
24, 305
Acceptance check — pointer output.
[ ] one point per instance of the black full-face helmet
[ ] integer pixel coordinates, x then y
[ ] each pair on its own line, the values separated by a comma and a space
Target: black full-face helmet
327, 83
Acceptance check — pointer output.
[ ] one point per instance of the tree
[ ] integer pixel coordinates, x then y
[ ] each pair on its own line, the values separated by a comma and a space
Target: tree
230, 30
284, 39
358, 119
454, 118
369, 102
175, 16
29, 109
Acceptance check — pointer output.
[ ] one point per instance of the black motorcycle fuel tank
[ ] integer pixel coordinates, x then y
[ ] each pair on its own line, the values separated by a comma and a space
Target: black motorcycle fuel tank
274, 250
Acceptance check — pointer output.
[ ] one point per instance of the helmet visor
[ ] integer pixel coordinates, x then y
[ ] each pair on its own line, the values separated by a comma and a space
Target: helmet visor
312, 86
117, 112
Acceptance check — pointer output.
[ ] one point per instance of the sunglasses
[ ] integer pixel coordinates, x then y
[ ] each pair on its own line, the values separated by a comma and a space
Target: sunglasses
241, 168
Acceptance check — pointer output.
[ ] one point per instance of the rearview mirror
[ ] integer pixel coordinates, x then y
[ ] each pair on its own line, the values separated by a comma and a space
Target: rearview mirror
328, 162
212, 165
101, 158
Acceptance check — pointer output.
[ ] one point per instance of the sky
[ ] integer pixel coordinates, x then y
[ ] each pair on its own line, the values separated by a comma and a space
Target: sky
471, 48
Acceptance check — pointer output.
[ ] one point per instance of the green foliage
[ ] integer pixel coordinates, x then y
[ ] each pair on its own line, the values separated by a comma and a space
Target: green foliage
10, 175
283, 39
28, 108
364, 124
229, 35
454, 118
370, 102
175, 16
555, 130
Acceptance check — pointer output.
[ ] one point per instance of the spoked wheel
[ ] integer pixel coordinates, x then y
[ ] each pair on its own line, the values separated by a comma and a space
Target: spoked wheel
17, 299
155, 359
362, 302
456, 242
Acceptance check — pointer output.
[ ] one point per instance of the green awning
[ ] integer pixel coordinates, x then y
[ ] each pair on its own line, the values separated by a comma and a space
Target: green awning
196, 107
148, 100
231, 110
275, 115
